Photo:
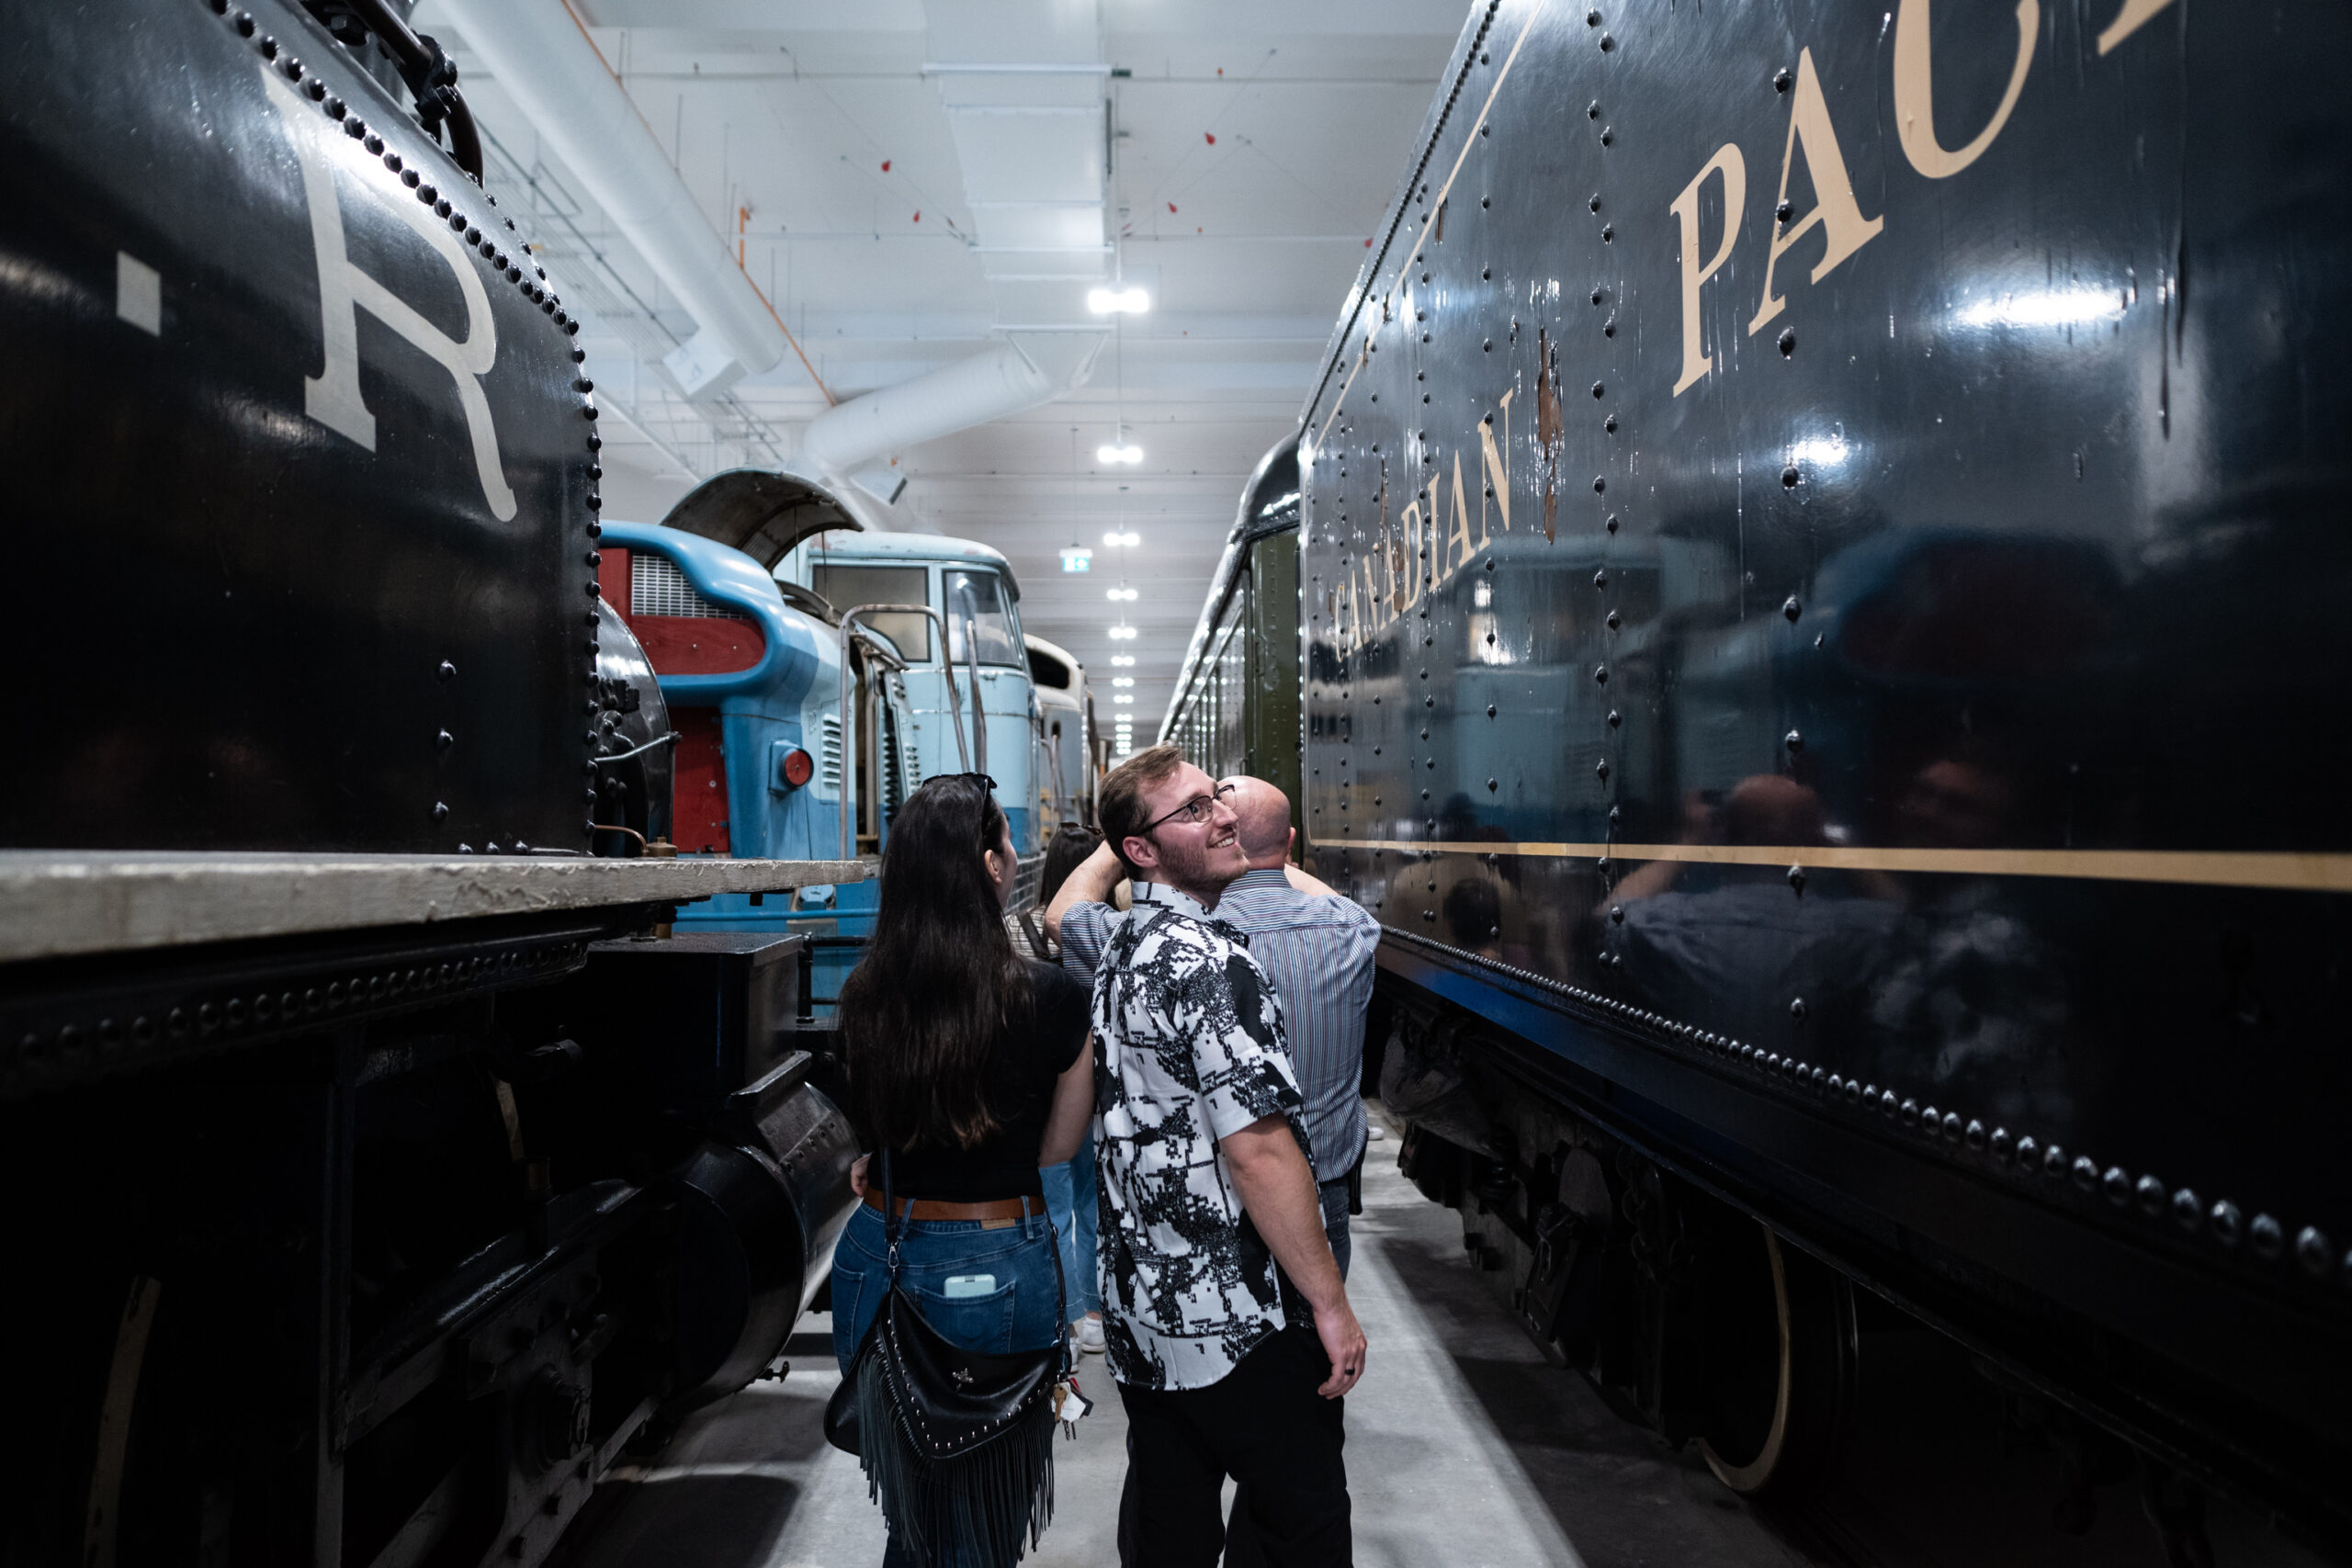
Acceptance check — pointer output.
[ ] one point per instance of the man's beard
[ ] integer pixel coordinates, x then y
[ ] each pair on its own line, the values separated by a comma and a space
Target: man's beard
1193, 865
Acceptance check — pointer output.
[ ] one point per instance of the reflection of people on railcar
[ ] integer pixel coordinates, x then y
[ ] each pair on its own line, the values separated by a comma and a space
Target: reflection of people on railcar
1974, 1007
1458, 897
1527, 709
1735, 947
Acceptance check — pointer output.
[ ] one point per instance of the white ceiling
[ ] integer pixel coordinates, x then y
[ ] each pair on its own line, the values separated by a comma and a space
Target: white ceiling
1247, 244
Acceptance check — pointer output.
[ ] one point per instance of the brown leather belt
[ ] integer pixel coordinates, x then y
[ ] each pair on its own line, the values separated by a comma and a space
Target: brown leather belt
994, 1215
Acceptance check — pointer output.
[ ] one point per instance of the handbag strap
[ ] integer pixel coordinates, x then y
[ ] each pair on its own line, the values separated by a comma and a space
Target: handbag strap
1061, 1284
891, 1221
1037, 943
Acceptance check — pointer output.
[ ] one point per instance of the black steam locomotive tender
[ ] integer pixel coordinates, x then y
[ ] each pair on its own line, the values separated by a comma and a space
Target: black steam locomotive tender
1816, 568
381, 1168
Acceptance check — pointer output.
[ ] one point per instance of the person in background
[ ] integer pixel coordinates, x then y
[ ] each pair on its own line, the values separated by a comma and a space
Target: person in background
1229, 1328
1318, 949
1064, 853
1069, 1187
968, 1063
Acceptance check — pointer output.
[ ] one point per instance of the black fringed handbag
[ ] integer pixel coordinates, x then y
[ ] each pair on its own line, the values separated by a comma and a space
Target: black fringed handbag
957, 1444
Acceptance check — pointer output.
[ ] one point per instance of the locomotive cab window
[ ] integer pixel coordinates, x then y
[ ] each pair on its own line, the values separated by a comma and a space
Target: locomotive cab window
846, 587
980, 597
1046, 670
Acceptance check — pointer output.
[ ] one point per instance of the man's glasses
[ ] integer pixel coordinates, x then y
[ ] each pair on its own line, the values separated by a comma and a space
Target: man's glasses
1197, 809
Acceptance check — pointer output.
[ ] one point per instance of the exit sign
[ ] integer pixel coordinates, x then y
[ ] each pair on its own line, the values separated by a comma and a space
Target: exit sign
1077, 559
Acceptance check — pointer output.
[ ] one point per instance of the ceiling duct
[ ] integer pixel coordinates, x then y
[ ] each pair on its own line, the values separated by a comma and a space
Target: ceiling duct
546, 63
1021, 82
1027, 371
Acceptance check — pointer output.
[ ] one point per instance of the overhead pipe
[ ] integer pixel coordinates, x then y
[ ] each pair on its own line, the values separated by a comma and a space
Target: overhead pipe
431, 79
545, 61
1013, 376
542, 56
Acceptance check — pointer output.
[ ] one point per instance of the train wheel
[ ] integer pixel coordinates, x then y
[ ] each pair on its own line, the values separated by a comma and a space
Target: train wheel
1783, 1372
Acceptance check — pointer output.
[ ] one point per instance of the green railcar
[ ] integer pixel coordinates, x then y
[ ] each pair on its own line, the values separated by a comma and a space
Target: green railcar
1237, 705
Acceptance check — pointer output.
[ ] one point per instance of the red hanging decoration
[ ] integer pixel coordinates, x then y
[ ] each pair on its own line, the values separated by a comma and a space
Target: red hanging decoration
885, 165
918, 215
1211, 135
1171, 207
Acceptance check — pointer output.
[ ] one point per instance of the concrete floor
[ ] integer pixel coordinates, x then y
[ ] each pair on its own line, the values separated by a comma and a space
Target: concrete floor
1464, 1448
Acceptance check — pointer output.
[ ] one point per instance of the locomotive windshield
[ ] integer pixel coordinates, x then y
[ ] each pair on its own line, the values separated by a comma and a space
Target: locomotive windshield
846, 587
978, 596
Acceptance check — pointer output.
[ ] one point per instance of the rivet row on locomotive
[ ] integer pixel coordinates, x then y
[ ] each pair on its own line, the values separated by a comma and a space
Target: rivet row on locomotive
1357, 600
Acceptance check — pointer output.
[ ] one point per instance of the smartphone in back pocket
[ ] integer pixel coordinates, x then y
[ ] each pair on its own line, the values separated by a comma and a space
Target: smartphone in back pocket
969, 1285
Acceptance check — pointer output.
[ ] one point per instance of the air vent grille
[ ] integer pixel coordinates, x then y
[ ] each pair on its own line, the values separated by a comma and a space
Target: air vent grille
656, 587
829, 749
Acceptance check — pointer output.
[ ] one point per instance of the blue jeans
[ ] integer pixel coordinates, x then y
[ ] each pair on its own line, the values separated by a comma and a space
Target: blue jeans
1069, 1203
1334, 1198
1020, 1309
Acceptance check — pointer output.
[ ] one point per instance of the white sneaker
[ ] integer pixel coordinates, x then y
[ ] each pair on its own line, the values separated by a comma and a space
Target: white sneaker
1088, 1332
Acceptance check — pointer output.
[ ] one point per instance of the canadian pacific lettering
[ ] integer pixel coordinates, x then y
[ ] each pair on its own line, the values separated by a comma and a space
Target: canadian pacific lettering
1835, 211
1731, 166
1915, 104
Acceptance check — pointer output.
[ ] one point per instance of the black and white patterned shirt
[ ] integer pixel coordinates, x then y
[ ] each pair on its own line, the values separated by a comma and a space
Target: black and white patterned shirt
1319, 950
1189, 1050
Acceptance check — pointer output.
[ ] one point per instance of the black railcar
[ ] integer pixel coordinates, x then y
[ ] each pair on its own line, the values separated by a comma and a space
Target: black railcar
373, 1185
1823, 560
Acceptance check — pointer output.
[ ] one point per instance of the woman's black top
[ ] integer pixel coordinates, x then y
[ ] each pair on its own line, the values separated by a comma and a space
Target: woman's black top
1037, 1046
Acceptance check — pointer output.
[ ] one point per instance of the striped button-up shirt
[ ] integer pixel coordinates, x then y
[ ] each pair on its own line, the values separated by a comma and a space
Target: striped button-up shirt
1318, 952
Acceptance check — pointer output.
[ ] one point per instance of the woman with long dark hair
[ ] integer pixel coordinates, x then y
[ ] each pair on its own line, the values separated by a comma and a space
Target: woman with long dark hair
969, 1067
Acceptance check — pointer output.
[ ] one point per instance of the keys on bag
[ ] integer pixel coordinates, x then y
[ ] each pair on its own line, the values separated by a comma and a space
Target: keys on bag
1070, 1407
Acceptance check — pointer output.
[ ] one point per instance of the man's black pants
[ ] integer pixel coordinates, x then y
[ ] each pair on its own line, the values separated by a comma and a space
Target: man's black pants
1264, 1425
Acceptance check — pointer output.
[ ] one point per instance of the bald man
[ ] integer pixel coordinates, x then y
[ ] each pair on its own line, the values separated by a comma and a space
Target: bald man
1316, 948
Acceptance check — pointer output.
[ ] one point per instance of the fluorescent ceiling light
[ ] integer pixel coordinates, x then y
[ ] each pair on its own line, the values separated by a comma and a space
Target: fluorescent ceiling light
1117, 302
1122, 592
1123, 697
1123, 633
1122, 541
1123, 679
1123, 659
1124, 452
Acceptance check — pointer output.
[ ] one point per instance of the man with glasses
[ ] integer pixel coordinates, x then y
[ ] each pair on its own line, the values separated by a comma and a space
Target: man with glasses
1228, 1324
1318, 948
